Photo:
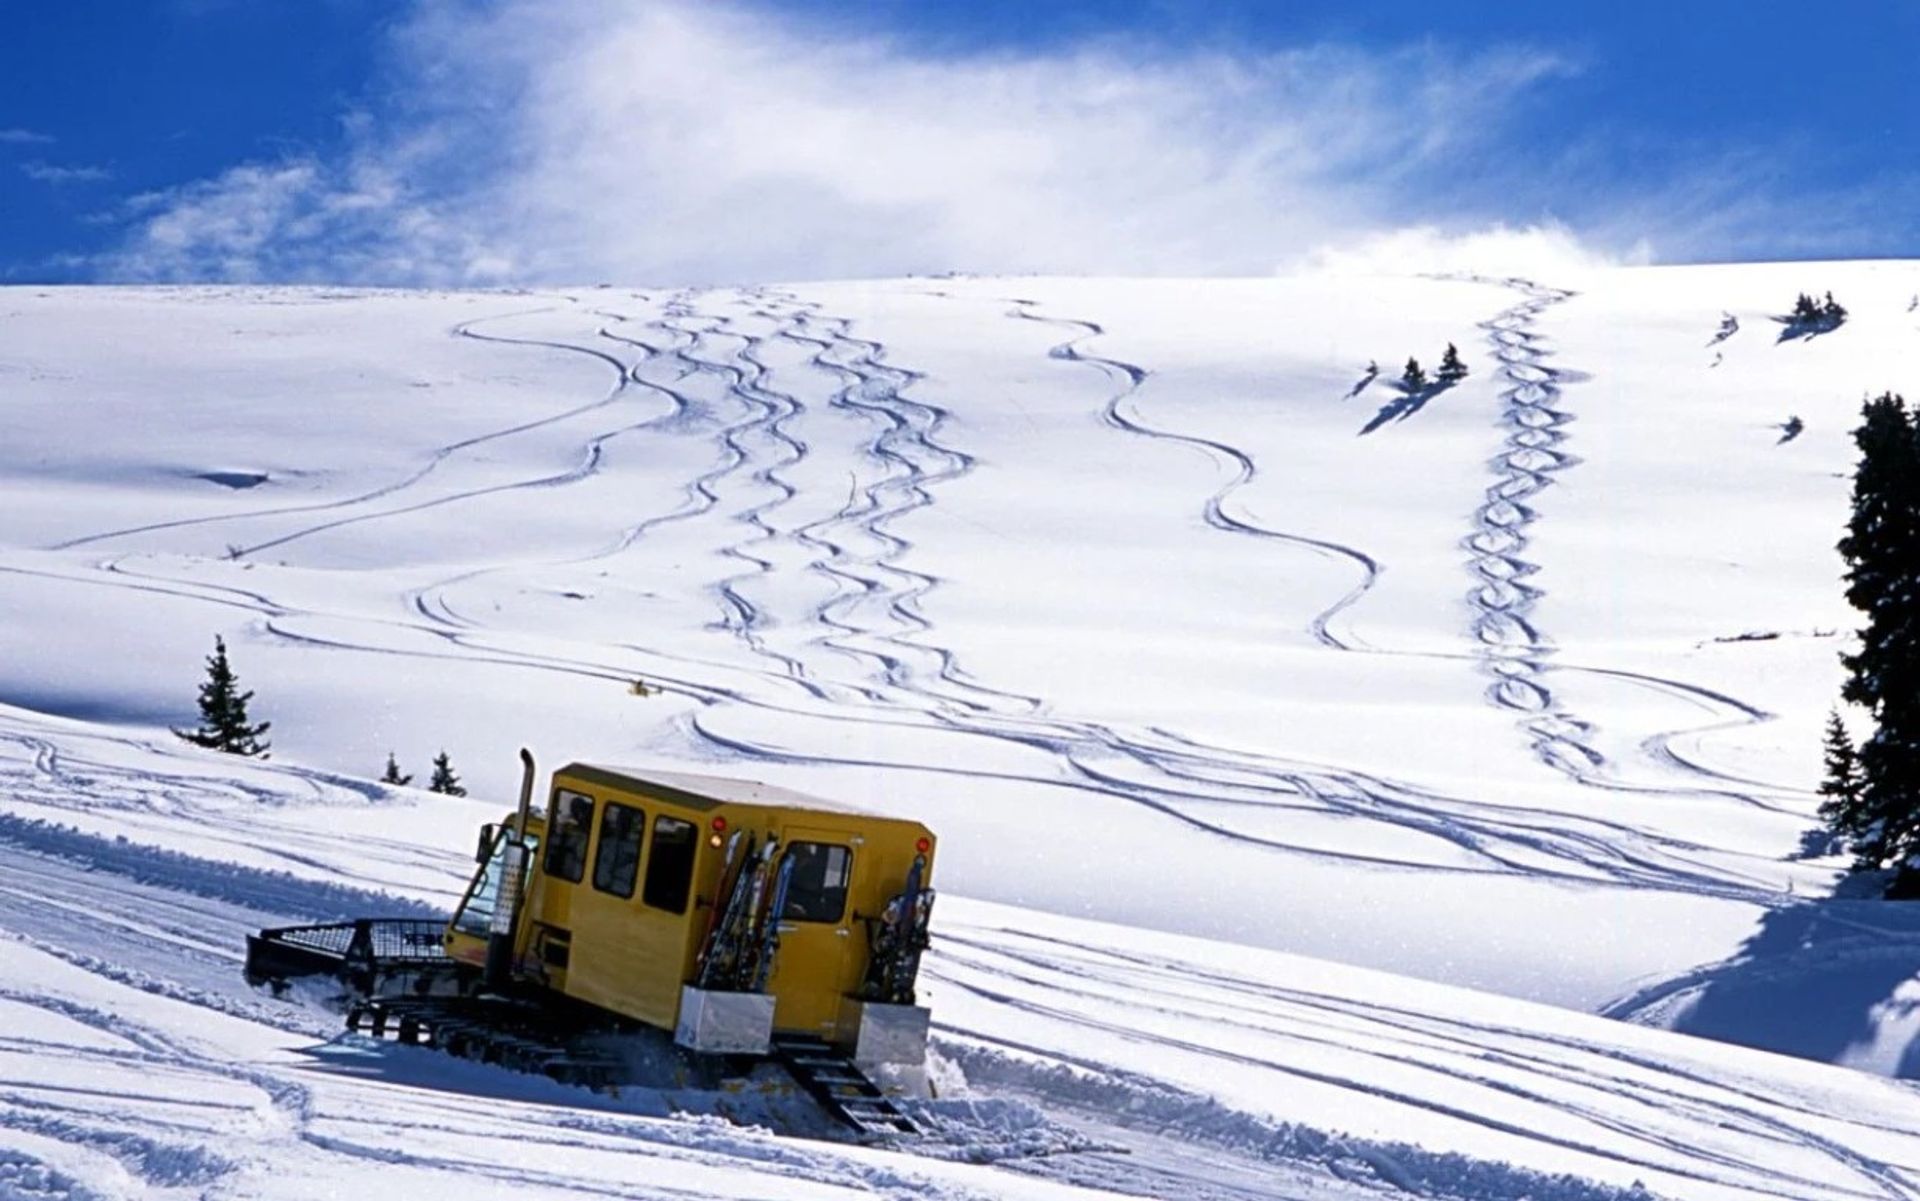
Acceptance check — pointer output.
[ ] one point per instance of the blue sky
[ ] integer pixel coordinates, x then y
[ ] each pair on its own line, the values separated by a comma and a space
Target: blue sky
454, 141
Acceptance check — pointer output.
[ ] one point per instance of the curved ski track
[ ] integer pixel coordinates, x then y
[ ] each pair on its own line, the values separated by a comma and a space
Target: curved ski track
1122, 413
874, 618
1512, 648
435, 459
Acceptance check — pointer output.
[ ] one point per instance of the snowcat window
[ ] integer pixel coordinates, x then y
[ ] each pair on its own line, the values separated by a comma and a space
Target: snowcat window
818, 890
617, 861
477, 913
567, 845
670, 870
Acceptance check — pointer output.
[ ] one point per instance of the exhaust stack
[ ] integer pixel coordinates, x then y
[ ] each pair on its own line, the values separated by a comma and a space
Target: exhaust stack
513, 873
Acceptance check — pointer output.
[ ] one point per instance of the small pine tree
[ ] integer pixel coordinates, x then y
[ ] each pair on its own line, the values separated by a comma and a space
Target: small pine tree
1844, 786
443, 778
1413, 379
393, 775
1451, 368
223, 711
1805, 310
1832, 312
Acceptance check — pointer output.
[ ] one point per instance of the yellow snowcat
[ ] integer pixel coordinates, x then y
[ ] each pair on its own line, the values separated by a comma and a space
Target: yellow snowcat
747, 920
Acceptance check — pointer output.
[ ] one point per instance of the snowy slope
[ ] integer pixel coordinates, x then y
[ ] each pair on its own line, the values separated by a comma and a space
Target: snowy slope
1073, 1059
1146, 594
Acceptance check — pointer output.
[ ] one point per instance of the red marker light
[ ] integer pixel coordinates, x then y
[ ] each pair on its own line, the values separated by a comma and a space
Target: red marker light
719, 825
923, 846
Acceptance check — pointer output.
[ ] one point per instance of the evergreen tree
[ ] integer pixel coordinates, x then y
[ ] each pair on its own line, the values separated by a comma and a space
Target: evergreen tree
1805, 310
223, 711
1831, 312
1843, 784
1413, 379
393, 775
1451, 368
443, 778
1882, 550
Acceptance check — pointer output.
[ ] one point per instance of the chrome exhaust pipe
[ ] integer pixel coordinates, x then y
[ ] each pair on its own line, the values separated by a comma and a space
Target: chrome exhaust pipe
505, 922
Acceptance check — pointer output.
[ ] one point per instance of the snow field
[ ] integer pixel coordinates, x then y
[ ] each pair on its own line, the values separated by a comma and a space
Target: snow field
1145, 594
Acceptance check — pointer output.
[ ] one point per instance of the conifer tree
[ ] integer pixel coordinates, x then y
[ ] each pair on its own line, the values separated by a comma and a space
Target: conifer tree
393, 775
1805, 310
1831, 312
1843, 783
1451, 368
1413, 379
223, 711
1882, 550
443, 778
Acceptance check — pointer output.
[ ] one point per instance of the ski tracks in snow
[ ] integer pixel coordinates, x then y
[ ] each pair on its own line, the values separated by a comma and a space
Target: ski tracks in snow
1514, 651
1587, 1098
855, 647
1122, 412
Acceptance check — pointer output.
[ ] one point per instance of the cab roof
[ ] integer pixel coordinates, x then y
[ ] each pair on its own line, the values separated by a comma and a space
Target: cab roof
705, 792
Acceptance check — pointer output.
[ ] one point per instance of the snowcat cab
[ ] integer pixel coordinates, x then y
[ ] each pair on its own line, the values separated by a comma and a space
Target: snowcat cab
747, 920
724, 910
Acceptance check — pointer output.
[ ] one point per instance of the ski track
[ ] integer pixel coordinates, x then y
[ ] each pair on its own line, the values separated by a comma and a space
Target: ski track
861, 657
1229, 1011
1514, 651
1221, 1010
1121, 412
435, 459
874, 617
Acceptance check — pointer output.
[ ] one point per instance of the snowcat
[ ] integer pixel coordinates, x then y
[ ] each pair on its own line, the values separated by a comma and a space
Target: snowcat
747, 921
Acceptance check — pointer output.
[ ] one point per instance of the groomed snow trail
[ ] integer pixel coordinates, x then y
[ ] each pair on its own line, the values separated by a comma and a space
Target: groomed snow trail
1076, 1061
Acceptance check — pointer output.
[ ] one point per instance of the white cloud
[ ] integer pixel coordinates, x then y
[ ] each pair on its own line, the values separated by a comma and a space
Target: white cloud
23, 137
1548, 251
680, 141
57, 175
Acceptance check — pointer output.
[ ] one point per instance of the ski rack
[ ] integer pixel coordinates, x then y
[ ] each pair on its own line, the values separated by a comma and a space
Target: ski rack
839, 1085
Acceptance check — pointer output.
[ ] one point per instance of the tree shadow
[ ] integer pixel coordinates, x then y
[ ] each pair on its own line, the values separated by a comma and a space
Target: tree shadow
1819, 980
1793, 330
1405, 405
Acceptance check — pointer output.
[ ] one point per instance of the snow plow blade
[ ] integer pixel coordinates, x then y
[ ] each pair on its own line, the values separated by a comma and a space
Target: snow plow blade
360, 953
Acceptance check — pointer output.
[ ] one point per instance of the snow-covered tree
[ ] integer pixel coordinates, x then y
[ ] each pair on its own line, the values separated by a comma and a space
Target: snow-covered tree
392, 774
1451, 368
443, 778
1882, 551
223, 711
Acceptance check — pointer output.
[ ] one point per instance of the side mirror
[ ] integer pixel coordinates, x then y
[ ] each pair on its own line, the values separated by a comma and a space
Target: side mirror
488, 833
